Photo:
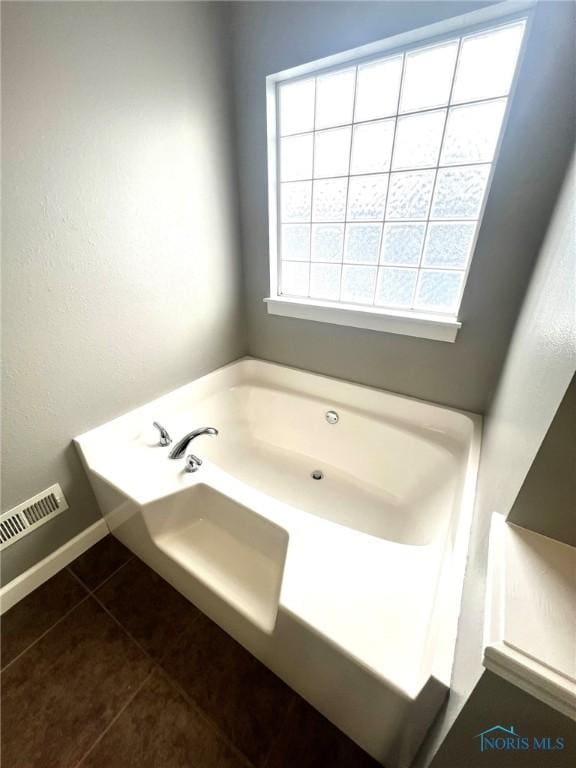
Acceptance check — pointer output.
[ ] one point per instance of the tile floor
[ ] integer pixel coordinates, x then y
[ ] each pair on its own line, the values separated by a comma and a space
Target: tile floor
107, 666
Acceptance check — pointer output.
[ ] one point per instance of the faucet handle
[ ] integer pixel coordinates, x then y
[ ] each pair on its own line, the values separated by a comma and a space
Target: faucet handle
165, 438
193, 463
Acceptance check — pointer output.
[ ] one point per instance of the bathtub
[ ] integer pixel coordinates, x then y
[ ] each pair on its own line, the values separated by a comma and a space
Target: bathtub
326, 530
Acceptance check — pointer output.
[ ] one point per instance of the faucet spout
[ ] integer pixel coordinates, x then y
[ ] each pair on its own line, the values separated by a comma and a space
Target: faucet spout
179, 448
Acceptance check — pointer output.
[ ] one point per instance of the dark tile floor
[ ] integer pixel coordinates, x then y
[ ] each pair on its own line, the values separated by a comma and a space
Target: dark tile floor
107, 666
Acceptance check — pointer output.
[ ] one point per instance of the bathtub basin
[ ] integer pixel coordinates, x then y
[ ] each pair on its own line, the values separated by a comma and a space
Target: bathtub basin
348, 587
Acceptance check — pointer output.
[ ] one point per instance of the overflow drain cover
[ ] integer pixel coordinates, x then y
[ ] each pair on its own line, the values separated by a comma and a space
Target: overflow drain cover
317, 474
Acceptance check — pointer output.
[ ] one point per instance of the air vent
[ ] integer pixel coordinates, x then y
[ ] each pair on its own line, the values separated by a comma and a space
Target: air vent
20, 520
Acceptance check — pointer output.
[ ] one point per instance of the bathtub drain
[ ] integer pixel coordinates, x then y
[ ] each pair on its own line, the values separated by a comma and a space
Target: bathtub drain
317, 474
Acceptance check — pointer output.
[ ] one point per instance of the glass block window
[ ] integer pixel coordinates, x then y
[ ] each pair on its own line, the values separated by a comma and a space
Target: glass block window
383, 167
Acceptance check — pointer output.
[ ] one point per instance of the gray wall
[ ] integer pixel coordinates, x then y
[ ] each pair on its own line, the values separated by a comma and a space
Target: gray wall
547, 500
121, 275
540, 365
495, 701
269, 37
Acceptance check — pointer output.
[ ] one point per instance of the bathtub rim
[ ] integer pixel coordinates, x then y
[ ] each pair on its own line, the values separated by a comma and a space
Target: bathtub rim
234, 373
245, 362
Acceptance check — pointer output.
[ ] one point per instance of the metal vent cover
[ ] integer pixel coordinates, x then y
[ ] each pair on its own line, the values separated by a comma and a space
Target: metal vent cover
20, 520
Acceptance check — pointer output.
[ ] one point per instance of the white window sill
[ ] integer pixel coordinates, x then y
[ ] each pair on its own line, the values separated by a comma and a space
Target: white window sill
405, 323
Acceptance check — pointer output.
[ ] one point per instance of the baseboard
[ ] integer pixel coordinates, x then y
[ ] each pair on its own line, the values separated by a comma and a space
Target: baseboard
27, 582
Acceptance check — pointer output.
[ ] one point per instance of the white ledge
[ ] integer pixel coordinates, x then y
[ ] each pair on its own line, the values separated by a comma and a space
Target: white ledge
421, 325
531, 614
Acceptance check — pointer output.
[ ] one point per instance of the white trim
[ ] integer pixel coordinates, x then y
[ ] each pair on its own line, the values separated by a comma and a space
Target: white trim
415, 324
273, 164
519, 580
27, 582
532, 677
450, 26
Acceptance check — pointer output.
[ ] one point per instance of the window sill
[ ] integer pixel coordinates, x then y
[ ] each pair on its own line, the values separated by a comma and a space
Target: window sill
404, 323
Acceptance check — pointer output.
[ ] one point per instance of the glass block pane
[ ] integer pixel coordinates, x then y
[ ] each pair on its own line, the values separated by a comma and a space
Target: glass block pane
459, 192
330, 200
486, 63
358, 284
297, 107
296, 157
418, 139
377, 89
327, 242
402, 244
296, 242
448, 244
294, 278
428, 77
362, 243
332, 152
372, 147
367, 197
439, 290
335, 98
472, 133
295, 199
325, 281
409, 194
395, 287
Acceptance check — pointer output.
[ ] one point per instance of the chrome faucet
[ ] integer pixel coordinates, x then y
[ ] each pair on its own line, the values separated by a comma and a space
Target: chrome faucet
164, 438
193, 463
180, 448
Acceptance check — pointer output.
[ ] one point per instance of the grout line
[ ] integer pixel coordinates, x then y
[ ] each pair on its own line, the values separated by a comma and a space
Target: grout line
158, 666
311, 191
122, 627
114, 719
421, 266
107, 579
91, 591
128, 633
276, 740
390, 167
78, 579
410, 113
345, 229
212, 724
37, 640
388, 264
88, 591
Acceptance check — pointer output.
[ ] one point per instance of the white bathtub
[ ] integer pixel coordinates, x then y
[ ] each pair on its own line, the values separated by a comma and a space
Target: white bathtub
347, 587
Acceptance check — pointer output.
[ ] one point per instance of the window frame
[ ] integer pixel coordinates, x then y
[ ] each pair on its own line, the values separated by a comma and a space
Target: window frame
429, 325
